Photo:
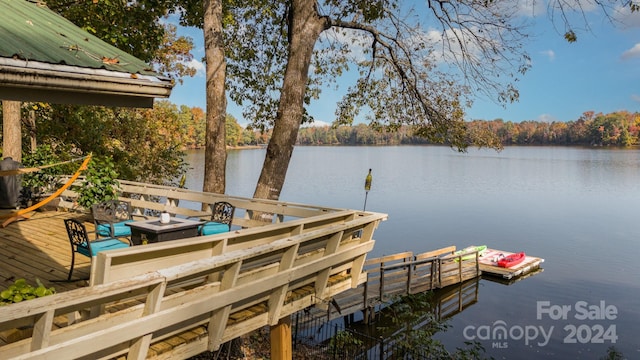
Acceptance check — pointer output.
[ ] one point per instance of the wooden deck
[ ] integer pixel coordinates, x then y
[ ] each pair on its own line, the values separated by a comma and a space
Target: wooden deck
176, 299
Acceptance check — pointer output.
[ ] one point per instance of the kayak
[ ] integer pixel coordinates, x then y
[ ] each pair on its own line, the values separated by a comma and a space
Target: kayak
511, 260
472, 249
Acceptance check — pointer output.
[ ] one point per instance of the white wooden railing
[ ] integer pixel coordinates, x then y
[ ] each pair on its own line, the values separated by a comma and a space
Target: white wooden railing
146, 198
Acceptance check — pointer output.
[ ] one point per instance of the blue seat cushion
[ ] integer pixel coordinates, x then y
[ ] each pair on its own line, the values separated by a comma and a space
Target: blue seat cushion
119, 228
211, 228
102, 245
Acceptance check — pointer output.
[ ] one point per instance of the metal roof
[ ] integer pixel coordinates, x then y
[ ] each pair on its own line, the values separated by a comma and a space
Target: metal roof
44, 57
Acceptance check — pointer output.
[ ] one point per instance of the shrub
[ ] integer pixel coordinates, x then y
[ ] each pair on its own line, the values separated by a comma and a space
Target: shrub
100, 183
20, 290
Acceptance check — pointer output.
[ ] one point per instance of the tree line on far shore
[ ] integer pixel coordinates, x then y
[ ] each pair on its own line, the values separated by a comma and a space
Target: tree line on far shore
621, 128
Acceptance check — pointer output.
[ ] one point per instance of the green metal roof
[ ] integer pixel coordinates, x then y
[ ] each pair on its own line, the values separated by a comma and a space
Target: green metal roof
31, 31
44, 57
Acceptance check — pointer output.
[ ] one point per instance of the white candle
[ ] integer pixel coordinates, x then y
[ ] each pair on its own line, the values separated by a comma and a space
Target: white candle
165, 218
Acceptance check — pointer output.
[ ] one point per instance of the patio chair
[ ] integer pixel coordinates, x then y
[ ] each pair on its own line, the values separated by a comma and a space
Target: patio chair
80, 243
221, 218
110, 218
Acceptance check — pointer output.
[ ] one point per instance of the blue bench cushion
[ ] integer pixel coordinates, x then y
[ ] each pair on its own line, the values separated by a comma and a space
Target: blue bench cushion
119, 228
102, 245
211, 228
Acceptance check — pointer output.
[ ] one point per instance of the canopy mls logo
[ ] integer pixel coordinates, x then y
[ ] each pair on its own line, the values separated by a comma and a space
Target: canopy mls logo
499, 334
589, 330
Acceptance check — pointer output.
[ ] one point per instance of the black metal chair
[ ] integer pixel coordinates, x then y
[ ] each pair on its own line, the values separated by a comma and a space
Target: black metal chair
110, 218
221, 219
80, 243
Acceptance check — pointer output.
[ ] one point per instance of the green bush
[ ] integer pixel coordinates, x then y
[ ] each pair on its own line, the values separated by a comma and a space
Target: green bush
100, 183
35, 185
20, 290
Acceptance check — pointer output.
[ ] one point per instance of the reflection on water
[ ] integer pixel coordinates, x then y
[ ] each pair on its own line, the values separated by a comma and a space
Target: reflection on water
574, 207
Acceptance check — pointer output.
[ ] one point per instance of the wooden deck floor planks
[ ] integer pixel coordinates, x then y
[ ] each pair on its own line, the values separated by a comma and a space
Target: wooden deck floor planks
38, 248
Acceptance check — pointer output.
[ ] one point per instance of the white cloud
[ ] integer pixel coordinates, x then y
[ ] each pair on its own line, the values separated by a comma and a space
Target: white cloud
531, 8
634, 52
547, 118
198, 65
628, 19
357, 41
446, 47
316, 123
549, 53
635, 97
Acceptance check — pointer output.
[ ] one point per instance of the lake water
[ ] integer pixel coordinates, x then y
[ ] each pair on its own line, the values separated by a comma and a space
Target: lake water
576, 208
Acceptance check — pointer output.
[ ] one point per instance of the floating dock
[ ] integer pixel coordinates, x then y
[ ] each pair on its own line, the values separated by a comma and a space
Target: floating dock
489, 267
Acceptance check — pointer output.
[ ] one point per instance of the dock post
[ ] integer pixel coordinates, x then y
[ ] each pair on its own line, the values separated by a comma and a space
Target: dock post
280, 335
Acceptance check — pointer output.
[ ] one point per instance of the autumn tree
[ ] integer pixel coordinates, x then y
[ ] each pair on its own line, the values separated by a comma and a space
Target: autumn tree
197, 125
249, 137
233, 131
145, 144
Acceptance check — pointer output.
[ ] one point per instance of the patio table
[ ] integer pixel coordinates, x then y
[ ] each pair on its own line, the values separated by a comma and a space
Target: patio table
151, 231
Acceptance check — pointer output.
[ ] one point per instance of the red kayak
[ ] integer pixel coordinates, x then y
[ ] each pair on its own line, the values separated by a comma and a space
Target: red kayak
511, 260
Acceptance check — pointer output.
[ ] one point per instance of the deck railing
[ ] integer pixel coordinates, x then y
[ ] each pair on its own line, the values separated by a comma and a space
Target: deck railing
149, 199
179, 298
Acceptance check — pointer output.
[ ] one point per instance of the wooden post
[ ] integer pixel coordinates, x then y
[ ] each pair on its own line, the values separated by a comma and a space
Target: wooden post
31, 124
11, 130
280, 335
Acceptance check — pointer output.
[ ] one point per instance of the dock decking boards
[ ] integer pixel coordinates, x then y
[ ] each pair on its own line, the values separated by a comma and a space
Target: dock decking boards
489, 267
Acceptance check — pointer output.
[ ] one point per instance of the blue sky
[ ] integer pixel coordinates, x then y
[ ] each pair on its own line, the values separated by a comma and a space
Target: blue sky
600, 72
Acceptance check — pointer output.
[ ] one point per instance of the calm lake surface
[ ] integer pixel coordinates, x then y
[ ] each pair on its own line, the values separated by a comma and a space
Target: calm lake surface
576, 208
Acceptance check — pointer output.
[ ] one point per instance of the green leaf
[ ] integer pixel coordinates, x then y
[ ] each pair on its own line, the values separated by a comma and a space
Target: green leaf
6, 294
41, 291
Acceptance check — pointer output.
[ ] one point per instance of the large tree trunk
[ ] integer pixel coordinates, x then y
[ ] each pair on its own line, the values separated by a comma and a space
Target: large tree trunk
215, 156
11, 130
304, 29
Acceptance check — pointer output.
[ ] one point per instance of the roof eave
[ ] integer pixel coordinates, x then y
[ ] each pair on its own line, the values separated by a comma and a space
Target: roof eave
33, 81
